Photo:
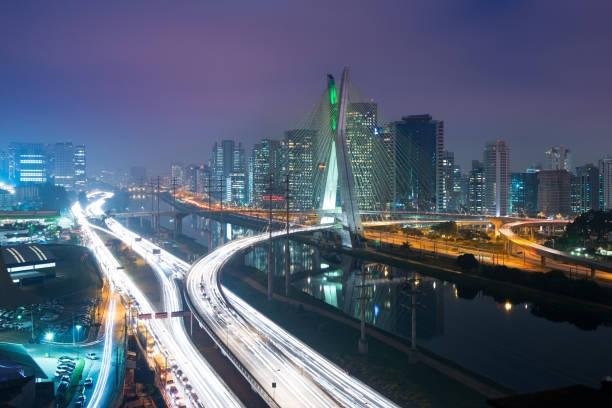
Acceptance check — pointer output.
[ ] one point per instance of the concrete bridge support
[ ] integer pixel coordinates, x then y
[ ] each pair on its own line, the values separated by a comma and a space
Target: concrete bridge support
178, 224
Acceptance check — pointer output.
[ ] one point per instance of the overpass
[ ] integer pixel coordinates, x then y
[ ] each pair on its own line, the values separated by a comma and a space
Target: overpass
513, 239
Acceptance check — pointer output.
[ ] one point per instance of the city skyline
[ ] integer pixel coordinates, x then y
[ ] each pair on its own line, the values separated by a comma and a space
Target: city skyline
183, 98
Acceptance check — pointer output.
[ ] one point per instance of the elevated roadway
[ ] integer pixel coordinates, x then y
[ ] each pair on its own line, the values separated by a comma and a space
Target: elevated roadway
508, 232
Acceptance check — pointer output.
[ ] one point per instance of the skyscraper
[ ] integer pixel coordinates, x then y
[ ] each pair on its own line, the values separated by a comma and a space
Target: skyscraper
585, 189
80, 168
266, 161
497, 178
605, 171
62, 164
27, 163
476, 189
448, 201
524, 193
229, 172
176, 175
559, 158
418, 143
554, 192
361, 122
299, 165
4, 166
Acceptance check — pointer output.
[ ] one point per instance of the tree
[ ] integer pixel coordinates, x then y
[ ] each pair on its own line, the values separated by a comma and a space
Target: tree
467, 262
445, 228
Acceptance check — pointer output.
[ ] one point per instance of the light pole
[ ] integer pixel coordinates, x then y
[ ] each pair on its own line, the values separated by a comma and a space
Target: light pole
49, 338
78, 328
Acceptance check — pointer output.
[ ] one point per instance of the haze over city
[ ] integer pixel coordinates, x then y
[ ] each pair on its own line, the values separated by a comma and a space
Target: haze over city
142, 82
312, 204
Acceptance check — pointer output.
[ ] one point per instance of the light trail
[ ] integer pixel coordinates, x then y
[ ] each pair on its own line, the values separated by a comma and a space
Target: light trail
304, 378
202, 377
108, 264
210, 391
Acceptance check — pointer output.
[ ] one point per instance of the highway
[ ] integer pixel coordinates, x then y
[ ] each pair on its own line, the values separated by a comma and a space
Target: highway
200, 374
208, 389
303, 377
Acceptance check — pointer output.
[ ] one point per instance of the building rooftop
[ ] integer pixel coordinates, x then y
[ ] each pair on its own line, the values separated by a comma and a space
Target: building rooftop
28, 254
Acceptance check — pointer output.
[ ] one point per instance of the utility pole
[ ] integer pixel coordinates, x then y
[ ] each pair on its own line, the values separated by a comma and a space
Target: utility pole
210, 212
222, 240
363, 341
270, 260
287, 251
157, 220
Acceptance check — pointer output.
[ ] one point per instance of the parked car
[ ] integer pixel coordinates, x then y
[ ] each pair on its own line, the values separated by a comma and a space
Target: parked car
92, 356
88, 382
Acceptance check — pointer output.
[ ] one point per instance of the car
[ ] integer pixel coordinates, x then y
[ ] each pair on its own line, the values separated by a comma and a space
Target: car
81, 398
65, 367
78, 404
173, 390
88, 382
60, 372
92, 356
67, 362
63, 387
65, 378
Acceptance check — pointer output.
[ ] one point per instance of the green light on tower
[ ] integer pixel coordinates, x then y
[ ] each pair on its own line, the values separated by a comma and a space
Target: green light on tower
333, 103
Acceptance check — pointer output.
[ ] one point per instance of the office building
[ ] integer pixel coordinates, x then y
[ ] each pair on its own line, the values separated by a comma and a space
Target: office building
524, 193
585, 189
80, 168
417, 143
605, 175
228, 165
299, 165
137, 176
476, 189
497, 178
27, 163
554, 192
4, 166
61, 164
361, 122
266, 162
559, 158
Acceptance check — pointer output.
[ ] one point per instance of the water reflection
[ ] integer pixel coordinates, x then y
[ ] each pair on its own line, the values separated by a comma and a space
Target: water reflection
519, 342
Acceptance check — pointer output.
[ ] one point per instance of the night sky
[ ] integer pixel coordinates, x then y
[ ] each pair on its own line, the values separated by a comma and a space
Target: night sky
150, 82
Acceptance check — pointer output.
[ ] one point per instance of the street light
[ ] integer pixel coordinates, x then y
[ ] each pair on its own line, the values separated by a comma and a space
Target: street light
49, 337
78, 328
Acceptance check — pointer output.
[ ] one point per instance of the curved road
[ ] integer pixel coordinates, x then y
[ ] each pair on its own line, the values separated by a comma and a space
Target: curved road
303, 377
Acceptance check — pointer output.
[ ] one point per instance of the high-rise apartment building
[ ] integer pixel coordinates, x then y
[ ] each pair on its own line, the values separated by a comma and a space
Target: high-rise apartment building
417, 145
554, 192
559, 158
449, 200
176, 175
497, 178
524, 193
80, 168
299, 165
266, 161
585, 189
605, 172
476, 189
